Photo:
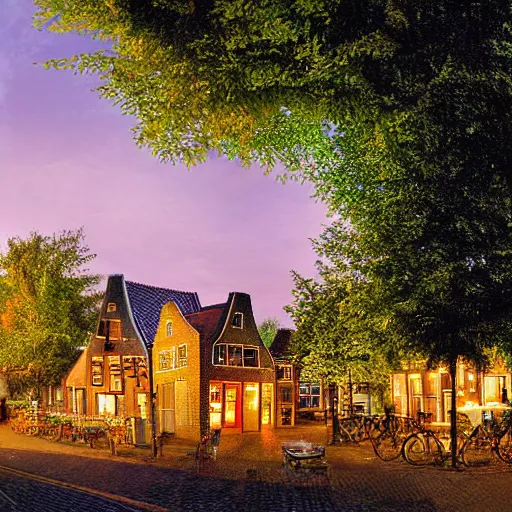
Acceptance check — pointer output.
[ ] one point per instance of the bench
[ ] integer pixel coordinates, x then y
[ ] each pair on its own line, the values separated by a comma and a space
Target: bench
207, 448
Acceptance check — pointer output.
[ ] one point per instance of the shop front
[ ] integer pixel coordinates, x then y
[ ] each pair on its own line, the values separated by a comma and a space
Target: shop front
245, 405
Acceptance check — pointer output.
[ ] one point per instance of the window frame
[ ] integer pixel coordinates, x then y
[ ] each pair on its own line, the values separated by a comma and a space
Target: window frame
101, 374
217, 352
111, 307
182, 360
117, 375
309, 397
171, 352
102, 329
284, 372
234, 322
168, 328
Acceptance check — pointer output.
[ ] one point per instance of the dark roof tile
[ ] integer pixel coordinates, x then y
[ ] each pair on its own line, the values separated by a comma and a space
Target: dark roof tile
146, 303
207, 321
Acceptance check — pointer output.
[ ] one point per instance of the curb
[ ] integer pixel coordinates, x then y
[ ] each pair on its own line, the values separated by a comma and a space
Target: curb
113, 497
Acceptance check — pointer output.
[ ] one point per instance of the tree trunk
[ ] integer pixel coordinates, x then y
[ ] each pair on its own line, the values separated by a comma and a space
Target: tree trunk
453, 413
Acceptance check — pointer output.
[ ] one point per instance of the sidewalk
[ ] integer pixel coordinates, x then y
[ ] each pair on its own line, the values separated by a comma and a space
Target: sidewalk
248, 476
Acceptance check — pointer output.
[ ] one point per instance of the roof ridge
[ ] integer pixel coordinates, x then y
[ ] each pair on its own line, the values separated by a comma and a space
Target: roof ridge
159, 287
206, 310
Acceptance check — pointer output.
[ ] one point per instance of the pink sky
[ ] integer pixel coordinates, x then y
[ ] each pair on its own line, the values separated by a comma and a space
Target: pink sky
67, 160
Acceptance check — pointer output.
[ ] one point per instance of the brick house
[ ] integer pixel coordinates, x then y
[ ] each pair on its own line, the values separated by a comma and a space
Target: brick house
113, 377
176, 368
287, 382
236, 374
296, 397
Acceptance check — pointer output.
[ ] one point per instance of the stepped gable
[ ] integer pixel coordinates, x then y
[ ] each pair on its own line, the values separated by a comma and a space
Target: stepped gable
281, 344
146, 304
207, 321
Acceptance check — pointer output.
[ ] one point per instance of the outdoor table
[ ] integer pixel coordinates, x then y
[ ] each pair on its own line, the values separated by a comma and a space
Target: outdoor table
479, 413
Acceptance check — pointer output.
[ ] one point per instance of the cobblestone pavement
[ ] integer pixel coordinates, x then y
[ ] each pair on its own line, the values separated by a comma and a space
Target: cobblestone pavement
248, 475
20, 494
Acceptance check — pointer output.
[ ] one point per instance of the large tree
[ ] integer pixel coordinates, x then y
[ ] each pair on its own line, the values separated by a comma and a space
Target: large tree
259, 80
47, 308
400, 113
426, 265
338, 329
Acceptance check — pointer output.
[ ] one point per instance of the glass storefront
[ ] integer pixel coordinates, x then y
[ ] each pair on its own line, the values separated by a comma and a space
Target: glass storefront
267, 403
251, 407
230, 405
215, 405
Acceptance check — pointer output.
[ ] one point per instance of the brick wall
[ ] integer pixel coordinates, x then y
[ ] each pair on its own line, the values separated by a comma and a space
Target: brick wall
182, 333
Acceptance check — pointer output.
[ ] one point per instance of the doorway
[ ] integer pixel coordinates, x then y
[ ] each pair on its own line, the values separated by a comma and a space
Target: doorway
231, 412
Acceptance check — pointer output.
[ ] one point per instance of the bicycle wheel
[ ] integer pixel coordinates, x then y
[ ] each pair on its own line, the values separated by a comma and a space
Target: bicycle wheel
421, 449
387, 445
477, 451
504, 446
352, 429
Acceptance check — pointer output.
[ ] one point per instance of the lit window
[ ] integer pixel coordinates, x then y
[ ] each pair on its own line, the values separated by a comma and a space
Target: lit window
238, 320
111, 306
97, 371
168, 328
182, 356
116, 381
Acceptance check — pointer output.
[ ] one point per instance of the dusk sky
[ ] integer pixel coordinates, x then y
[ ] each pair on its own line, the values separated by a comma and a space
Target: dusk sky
67, 160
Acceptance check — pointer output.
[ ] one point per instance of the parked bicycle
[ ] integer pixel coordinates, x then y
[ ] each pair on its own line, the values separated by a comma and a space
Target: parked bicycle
388, 435
425, 446
489, 440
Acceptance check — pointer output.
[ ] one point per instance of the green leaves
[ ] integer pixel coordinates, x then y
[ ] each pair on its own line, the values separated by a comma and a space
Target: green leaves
268, 330
48, 305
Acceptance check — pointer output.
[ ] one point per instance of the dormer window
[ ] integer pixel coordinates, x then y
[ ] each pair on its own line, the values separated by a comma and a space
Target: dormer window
111, 307
168, 328
238, 320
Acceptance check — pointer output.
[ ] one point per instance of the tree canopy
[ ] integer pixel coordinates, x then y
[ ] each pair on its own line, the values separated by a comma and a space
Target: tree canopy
268, 81
399, 112
47, 308
268, 330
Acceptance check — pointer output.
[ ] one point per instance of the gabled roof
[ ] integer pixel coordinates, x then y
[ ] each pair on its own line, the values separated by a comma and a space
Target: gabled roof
146, 302
207, 321
281, 344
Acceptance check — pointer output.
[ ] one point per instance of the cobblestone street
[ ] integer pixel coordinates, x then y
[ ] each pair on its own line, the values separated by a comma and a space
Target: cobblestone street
248, 475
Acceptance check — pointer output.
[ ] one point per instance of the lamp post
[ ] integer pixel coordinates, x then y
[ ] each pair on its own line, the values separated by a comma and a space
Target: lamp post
350, 394
335, 421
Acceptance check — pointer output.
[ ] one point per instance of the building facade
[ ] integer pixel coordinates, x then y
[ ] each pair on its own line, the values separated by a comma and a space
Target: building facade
287, 382
418, 388
113, 375
177, 368
236, 369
